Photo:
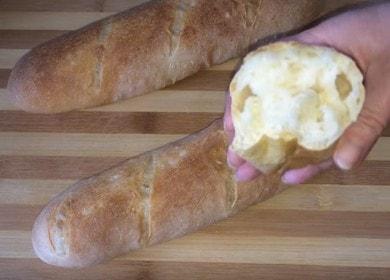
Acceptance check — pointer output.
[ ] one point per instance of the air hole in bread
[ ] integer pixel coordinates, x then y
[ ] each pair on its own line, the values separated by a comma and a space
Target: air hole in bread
294, 67
343, 86
245, 94
320, 117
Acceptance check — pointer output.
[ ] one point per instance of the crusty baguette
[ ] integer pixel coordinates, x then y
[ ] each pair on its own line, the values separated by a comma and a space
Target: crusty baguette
157, 196
149, 47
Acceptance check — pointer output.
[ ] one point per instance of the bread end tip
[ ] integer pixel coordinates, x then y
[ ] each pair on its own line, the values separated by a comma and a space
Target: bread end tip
27, 88
43, 246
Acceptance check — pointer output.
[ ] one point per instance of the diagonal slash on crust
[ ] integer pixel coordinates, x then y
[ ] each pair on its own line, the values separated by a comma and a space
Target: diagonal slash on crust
105, 31
177, 27
146, 192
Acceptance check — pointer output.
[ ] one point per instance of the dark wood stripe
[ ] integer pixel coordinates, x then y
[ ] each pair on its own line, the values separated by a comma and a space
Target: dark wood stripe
61, 167
30, 167
301, 223
256, 222
107, 122
33, 269
369, 173
26, 39
4, 75
67, 5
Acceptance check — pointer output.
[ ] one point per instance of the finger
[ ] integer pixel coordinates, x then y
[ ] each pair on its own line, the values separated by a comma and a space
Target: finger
357, 141
234, 160
246, 172
301, 175
359, 138
227, 119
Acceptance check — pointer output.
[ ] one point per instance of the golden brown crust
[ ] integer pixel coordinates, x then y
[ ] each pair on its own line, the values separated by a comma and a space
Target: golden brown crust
149, 47
148, 199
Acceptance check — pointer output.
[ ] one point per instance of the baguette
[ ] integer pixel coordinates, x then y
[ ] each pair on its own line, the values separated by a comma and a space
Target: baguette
154, 197
149, 47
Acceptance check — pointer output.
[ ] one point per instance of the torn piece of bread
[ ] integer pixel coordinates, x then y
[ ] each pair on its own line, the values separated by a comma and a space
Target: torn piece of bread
288, 95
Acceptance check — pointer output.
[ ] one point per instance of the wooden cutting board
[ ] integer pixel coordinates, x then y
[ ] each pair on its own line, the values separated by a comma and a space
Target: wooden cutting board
336, 227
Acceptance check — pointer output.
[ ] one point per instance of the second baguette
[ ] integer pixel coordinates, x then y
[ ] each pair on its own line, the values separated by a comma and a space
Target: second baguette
149, 47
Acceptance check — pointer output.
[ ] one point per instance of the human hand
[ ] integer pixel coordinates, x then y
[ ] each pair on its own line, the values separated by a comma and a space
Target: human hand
362, 35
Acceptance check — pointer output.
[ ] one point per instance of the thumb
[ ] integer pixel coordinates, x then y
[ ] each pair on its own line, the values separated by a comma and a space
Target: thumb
357, 141
360, 137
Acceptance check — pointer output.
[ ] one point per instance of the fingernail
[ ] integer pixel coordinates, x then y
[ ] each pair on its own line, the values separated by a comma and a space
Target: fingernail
287, 179
294, 177
341, 163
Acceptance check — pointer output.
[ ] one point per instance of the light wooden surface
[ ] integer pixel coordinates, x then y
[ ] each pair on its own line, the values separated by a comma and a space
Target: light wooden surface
336, 227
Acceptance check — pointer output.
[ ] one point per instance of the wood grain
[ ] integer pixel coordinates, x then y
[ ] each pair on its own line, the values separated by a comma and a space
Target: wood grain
8, 58
4, 74
114, 145
30, 192
202, 247
47, 20
15, 244
335, 227
68, 5
26, 39
32, 269
381, 150
60, 167
106, 122
31, 167
18, 217
301, 223
110, 122
360, 198
5, 103
255, 223
369, 173
75, 144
